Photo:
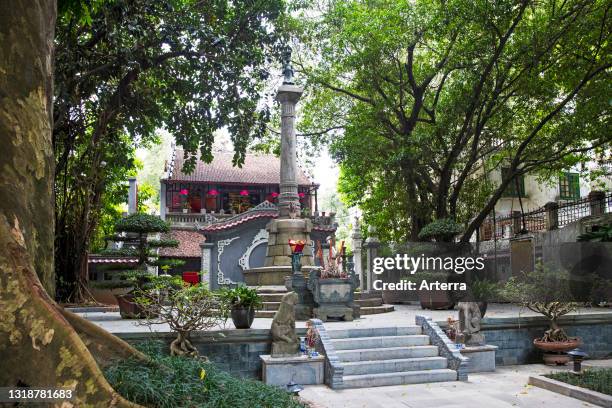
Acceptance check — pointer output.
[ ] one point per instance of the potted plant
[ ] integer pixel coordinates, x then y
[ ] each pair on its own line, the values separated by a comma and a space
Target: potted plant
242, 301
434, 299
546, 291
484, 291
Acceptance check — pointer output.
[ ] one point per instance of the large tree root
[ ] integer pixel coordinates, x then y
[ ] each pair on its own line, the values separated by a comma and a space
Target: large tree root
38, 345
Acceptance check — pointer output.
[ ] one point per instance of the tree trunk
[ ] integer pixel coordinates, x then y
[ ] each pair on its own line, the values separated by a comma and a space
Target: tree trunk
38, 345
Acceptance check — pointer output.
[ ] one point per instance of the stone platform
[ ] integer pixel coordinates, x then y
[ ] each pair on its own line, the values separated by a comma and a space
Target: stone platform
482, 358
272, 275
303, 370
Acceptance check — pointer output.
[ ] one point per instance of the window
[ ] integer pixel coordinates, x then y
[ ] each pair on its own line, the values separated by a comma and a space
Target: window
569, 186
512, 190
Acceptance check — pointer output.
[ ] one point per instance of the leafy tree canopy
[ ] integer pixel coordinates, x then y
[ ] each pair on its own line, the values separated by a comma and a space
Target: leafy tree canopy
124, 68
421, 101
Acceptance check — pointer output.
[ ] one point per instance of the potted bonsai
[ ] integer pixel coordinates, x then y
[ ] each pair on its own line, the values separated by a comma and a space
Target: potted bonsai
184, 308
135, 231
242, 302
546, 291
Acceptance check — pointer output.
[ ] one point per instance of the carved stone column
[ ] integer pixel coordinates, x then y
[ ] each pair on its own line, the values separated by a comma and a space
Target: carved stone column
357, 267
288, 200
372, 244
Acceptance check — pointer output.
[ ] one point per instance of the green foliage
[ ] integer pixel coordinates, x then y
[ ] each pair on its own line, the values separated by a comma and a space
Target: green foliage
602, 234
166, 243
142, 223
596, 379
241, 296
178, 382
443, 230
126, 68
422, 102
484, 290
545, 291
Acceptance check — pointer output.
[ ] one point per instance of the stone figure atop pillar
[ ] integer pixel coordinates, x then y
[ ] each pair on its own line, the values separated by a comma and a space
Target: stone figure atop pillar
288, 95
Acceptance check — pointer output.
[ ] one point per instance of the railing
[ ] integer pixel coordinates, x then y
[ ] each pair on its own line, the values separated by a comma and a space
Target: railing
552, 216
190, 219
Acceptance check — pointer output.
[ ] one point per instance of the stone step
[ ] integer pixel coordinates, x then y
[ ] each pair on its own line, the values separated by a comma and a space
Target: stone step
376, 310
399, 365
270, 305
374, 332
271, 297
265, 313
369, 302
387, 353
398, 378
270, 289
380, 341
367, 295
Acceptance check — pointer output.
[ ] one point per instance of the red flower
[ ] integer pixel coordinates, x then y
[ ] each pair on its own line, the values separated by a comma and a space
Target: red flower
213, 192
301, 195
244, 193
184, 192
274, 194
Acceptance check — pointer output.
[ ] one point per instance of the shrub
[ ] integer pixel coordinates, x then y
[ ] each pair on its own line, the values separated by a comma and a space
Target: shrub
442, 230
599, 380
179, 382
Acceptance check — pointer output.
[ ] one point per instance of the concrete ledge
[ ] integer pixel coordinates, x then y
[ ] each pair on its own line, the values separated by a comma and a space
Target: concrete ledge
482, 358
583, 394
303, 370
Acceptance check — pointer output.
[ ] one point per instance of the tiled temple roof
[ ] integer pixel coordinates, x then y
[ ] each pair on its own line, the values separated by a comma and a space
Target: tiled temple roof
257, 169
189, 244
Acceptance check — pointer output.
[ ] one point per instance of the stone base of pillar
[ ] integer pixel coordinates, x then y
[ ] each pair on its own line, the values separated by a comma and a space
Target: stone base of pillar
298, 283
280, 231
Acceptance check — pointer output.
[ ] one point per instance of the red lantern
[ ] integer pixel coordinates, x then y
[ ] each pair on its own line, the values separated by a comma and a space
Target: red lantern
274, 194
213, 192
244, 193
301, 195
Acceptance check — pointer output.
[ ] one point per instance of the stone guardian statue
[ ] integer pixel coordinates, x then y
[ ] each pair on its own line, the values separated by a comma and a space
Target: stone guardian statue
285, 342
469, 324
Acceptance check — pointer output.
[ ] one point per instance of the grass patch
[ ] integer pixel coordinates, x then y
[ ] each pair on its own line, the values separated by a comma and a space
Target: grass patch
599, 380
175, 382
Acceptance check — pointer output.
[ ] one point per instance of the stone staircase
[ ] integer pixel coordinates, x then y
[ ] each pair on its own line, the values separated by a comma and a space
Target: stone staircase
371, 303
372, 357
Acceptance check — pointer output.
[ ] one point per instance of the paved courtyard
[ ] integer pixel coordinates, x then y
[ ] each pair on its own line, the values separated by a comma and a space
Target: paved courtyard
507, 387
402, 316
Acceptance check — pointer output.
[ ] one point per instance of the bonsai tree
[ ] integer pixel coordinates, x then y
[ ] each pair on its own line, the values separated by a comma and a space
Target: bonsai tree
136, 232
442, 230
544, 291
183, 307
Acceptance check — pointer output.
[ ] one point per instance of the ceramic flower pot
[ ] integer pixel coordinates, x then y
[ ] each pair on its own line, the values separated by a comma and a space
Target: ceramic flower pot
243, 317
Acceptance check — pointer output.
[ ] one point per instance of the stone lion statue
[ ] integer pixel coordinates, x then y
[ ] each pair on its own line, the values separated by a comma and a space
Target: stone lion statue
285, 342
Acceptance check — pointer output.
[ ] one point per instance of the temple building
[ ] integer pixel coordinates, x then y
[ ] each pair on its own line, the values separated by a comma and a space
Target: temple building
222, 189
219, 212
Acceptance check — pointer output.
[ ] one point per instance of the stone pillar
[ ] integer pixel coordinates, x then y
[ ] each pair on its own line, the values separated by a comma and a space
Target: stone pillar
517, 224
162, 201
206, 267
288, 200
597, 201
371, 244
356, 236
552, 215
132, 196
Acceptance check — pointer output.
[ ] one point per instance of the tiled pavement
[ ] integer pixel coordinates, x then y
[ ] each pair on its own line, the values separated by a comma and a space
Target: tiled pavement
507, 387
